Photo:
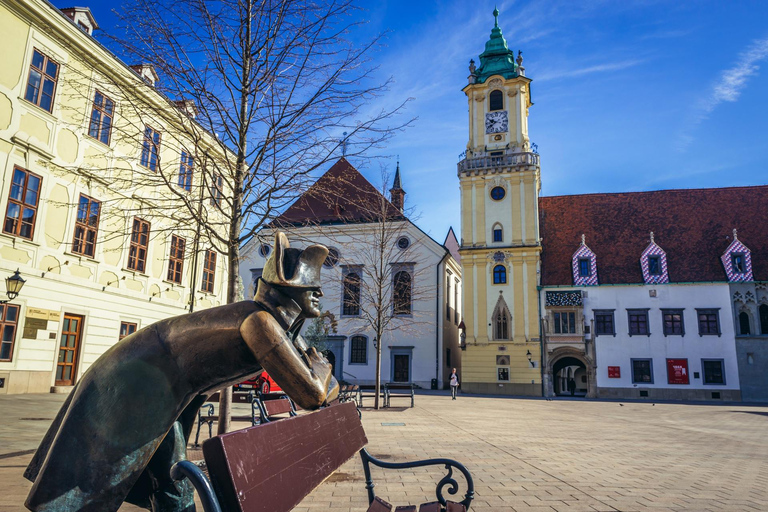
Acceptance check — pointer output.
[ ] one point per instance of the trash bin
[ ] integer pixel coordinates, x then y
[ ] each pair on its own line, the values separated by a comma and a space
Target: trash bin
434, 383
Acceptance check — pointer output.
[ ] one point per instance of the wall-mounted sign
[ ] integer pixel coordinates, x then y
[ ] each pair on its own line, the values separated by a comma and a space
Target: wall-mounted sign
43, 314
677, 371
31, 326
614, 372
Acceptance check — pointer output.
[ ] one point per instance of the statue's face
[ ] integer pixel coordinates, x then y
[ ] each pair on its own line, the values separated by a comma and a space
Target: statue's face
308, 300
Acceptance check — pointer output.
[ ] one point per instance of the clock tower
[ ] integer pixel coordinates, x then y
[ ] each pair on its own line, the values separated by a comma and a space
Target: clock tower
500, 246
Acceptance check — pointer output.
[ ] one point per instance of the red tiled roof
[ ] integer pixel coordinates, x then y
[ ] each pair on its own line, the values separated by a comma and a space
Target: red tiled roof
694, 227
341, 195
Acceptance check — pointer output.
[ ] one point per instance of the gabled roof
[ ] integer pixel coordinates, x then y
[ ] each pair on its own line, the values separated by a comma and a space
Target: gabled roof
452, 244
340, 196
693, 226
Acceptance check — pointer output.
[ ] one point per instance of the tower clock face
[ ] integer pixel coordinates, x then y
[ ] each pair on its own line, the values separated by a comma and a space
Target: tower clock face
496, 122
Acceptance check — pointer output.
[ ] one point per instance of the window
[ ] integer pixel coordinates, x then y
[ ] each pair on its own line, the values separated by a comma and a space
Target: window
185, 171
604, 324
638, 321
264, 250
137, 253
217, 188
176, 259
41, 85
9, 317
255, 275
763, 310
403, 242
448, 297
498, 193
499, 274
501, 326
101, 118
86, 226
496, 100
126, 328
708, 321
585, 267
673, 322
402, 293
642, 371
351, 300
150, 148
209, 271
737, 262
502, 368
22, 204
565, 322
498, 234
713, 370
358, 350
448, 357
456, 302
654, 265
744, 323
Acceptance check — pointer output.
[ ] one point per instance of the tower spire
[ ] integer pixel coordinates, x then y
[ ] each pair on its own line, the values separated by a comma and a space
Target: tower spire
397, 193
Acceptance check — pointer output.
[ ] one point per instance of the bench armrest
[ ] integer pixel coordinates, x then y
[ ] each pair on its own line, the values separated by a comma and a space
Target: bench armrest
447, 480
186, 469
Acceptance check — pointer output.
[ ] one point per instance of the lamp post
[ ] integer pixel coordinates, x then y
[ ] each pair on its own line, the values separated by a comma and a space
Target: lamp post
13, 285
462, 336
529, 359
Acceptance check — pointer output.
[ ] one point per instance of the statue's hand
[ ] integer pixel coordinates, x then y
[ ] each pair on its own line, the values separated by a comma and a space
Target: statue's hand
323, 371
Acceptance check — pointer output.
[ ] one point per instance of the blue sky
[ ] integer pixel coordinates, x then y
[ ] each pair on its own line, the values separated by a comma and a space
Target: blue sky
629, 95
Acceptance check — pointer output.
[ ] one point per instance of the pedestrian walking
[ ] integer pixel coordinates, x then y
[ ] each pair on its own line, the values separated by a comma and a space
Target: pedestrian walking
572, 386
454, 384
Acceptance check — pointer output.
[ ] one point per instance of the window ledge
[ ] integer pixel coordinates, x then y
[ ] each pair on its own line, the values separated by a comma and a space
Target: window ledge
135, 273
37, 109
14, 239
173, 284
81, 257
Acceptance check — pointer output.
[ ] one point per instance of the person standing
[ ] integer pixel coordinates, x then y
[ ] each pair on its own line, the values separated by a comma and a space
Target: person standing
572, 386
454, 384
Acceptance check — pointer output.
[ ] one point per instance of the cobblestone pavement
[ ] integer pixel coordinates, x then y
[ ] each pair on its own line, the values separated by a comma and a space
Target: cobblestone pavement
524, 455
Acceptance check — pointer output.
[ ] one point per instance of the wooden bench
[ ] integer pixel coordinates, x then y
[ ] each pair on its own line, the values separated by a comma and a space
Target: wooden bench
272, 467
348, 392
369, 391
209, 417
401, 390
271, 405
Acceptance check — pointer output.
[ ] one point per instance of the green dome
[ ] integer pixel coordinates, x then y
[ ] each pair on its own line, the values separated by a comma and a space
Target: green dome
497, 59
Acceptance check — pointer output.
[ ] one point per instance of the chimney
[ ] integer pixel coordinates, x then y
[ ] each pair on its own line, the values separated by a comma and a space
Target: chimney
188, 107
146, 72
396, 193
82, 18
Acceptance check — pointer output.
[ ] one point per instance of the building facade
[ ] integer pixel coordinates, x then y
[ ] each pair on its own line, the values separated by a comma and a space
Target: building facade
86, 143
417, 278
500, 181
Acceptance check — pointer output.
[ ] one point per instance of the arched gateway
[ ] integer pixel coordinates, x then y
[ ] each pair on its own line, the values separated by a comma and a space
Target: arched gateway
567, 364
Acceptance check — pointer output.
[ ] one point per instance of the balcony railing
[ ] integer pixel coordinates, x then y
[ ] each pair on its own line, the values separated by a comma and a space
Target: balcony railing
495, 162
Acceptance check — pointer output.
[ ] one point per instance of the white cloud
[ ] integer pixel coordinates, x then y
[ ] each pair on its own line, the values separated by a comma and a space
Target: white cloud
599, 68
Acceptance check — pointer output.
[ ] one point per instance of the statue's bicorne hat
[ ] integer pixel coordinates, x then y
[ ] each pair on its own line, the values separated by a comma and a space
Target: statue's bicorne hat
294, 267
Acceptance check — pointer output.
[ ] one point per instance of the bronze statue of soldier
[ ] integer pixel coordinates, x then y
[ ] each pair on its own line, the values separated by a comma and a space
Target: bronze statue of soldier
128, 419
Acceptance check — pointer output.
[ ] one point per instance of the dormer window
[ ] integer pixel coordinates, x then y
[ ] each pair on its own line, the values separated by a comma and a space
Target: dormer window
496, 101
737, 261
584, 265
653, 263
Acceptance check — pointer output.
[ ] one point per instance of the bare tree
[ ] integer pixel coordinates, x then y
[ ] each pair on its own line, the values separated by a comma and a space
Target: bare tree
282, 87
380, 268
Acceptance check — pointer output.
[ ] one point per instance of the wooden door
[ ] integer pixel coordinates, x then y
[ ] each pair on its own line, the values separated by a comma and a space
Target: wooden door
69, 346
402, 364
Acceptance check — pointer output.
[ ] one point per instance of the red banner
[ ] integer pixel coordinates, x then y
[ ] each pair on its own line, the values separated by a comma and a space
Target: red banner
677, 371
614, 372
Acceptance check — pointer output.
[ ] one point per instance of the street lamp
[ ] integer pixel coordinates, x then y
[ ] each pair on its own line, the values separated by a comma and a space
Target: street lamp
462, 336
529, 359
13, 285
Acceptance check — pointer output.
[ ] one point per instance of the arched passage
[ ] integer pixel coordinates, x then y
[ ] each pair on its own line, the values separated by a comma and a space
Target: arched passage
568, 365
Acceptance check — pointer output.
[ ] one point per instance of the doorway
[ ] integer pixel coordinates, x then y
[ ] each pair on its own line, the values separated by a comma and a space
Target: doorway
570, 377
69, 348
401, 371
331, 357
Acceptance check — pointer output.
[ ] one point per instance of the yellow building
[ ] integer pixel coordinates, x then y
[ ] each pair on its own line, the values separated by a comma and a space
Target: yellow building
95, 166
500, 246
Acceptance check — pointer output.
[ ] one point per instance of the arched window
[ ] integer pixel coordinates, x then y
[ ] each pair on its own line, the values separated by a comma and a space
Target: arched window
358, 350
351, 301
763, 318
744, 323
501, 330
499, 274
496, 100
402, 293
498, 233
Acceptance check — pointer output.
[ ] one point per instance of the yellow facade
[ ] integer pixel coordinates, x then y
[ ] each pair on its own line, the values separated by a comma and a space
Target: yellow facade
500, 246
103, 287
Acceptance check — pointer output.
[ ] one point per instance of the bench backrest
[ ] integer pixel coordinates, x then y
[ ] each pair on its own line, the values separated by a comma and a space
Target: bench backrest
280, 406
272, 467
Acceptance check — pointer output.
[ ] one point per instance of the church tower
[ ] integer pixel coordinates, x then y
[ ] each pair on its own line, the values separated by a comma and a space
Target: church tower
500, 247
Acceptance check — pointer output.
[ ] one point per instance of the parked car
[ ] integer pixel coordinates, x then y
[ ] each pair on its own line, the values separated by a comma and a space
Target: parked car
261, 381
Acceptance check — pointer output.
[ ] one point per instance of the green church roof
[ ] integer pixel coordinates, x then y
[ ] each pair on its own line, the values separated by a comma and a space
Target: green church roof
497, 59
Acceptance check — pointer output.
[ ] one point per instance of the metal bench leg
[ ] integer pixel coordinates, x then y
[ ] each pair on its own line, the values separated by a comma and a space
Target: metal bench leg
197, 435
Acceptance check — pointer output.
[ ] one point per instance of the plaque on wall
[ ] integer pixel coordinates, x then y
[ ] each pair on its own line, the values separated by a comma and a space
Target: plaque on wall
32, 325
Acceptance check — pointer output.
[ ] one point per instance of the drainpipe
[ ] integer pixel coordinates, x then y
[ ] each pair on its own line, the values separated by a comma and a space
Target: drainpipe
541, 339
439, 317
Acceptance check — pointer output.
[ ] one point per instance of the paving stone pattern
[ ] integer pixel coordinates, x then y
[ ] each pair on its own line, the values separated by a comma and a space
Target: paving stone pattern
525, 455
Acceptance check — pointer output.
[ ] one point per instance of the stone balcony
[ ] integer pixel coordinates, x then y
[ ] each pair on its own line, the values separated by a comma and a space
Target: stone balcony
492, 164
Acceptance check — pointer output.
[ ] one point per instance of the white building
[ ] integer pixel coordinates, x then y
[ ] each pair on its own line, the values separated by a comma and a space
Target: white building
420, 279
